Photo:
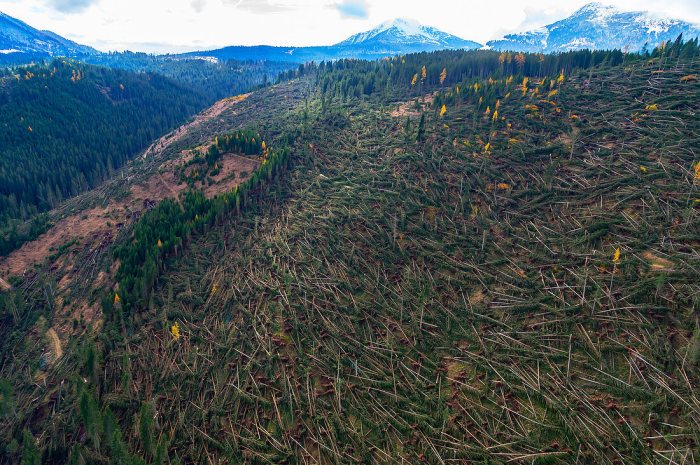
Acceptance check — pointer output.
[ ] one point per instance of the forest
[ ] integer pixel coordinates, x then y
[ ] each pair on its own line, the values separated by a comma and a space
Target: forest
416, 74
68, 126
168, 228
213, 80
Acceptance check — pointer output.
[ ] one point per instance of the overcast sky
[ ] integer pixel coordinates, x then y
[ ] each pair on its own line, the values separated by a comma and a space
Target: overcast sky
184, 25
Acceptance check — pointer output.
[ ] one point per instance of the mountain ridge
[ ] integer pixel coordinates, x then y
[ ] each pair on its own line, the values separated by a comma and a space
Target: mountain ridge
19, 41
599, 26
397, 37
593, 26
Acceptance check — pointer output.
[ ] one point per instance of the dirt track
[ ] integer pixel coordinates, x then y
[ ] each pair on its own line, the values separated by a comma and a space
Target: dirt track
212, 112
92, 227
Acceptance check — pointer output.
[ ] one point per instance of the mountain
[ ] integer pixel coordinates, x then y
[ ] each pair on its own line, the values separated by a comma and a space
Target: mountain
597, 26
396, 37
19, 42
401, 34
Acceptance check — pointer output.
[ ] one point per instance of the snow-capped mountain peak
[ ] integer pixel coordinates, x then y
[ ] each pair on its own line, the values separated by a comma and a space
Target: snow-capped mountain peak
597, 13
599, 26
406, 32
18, 38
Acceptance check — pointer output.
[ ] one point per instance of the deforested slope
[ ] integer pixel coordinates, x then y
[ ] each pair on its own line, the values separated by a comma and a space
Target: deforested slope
481, 267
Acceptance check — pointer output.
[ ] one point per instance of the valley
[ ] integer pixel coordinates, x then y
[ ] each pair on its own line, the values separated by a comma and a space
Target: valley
84, 229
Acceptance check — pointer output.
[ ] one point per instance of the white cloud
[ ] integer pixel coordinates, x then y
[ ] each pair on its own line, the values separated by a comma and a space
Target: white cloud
177, 25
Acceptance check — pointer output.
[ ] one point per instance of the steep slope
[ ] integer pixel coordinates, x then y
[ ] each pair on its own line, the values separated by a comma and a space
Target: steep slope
213, 79
20, 43
596, 26
508, 278
68, 126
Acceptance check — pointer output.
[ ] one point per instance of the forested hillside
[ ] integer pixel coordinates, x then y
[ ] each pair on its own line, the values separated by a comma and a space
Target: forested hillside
68, 126
456, 257
214, 80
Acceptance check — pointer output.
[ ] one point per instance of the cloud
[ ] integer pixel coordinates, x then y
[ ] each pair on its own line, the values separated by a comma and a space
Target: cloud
71, 6
357, 9
535, 17
198, 5
258, 6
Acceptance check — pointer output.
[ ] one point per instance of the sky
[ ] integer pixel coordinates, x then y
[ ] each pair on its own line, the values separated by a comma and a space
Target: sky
162, 26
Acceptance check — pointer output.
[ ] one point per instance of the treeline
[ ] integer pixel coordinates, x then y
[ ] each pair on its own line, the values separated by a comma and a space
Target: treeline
66, 127
214, 80
163, 231
15, 233
419, 73
246, 142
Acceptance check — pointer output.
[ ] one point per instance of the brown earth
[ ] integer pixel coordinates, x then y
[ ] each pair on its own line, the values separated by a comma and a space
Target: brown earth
96, 226
657, 263
90, 226
408, 108
212, 112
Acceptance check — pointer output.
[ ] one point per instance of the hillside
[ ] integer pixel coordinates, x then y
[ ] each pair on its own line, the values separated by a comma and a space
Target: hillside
212, 79
68, 126
494, 264
20, 43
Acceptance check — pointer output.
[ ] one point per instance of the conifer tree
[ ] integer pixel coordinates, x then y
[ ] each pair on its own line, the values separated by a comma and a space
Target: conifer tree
146, 428
30, 452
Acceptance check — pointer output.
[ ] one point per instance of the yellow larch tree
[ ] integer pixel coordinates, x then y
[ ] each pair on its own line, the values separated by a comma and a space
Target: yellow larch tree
523, 86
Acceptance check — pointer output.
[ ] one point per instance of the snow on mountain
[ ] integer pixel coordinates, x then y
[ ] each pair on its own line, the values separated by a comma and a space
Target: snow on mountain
403, 33
18, 40
598, 26
392, 38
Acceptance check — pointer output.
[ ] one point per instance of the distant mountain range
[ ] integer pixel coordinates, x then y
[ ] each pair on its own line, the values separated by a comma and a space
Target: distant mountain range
21, 43
594, 26
396, 37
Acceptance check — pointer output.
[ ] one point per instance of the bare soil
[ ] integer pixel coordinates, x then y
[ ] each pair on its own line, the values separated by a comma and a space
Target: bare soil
212, 112
91, 227
408, 108
55, 344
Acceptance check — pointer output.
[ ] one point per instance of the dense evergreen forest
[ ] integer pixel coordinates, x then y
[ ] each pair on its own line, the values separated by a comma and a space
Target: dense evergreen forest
412, 75
67, 126
213, 79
